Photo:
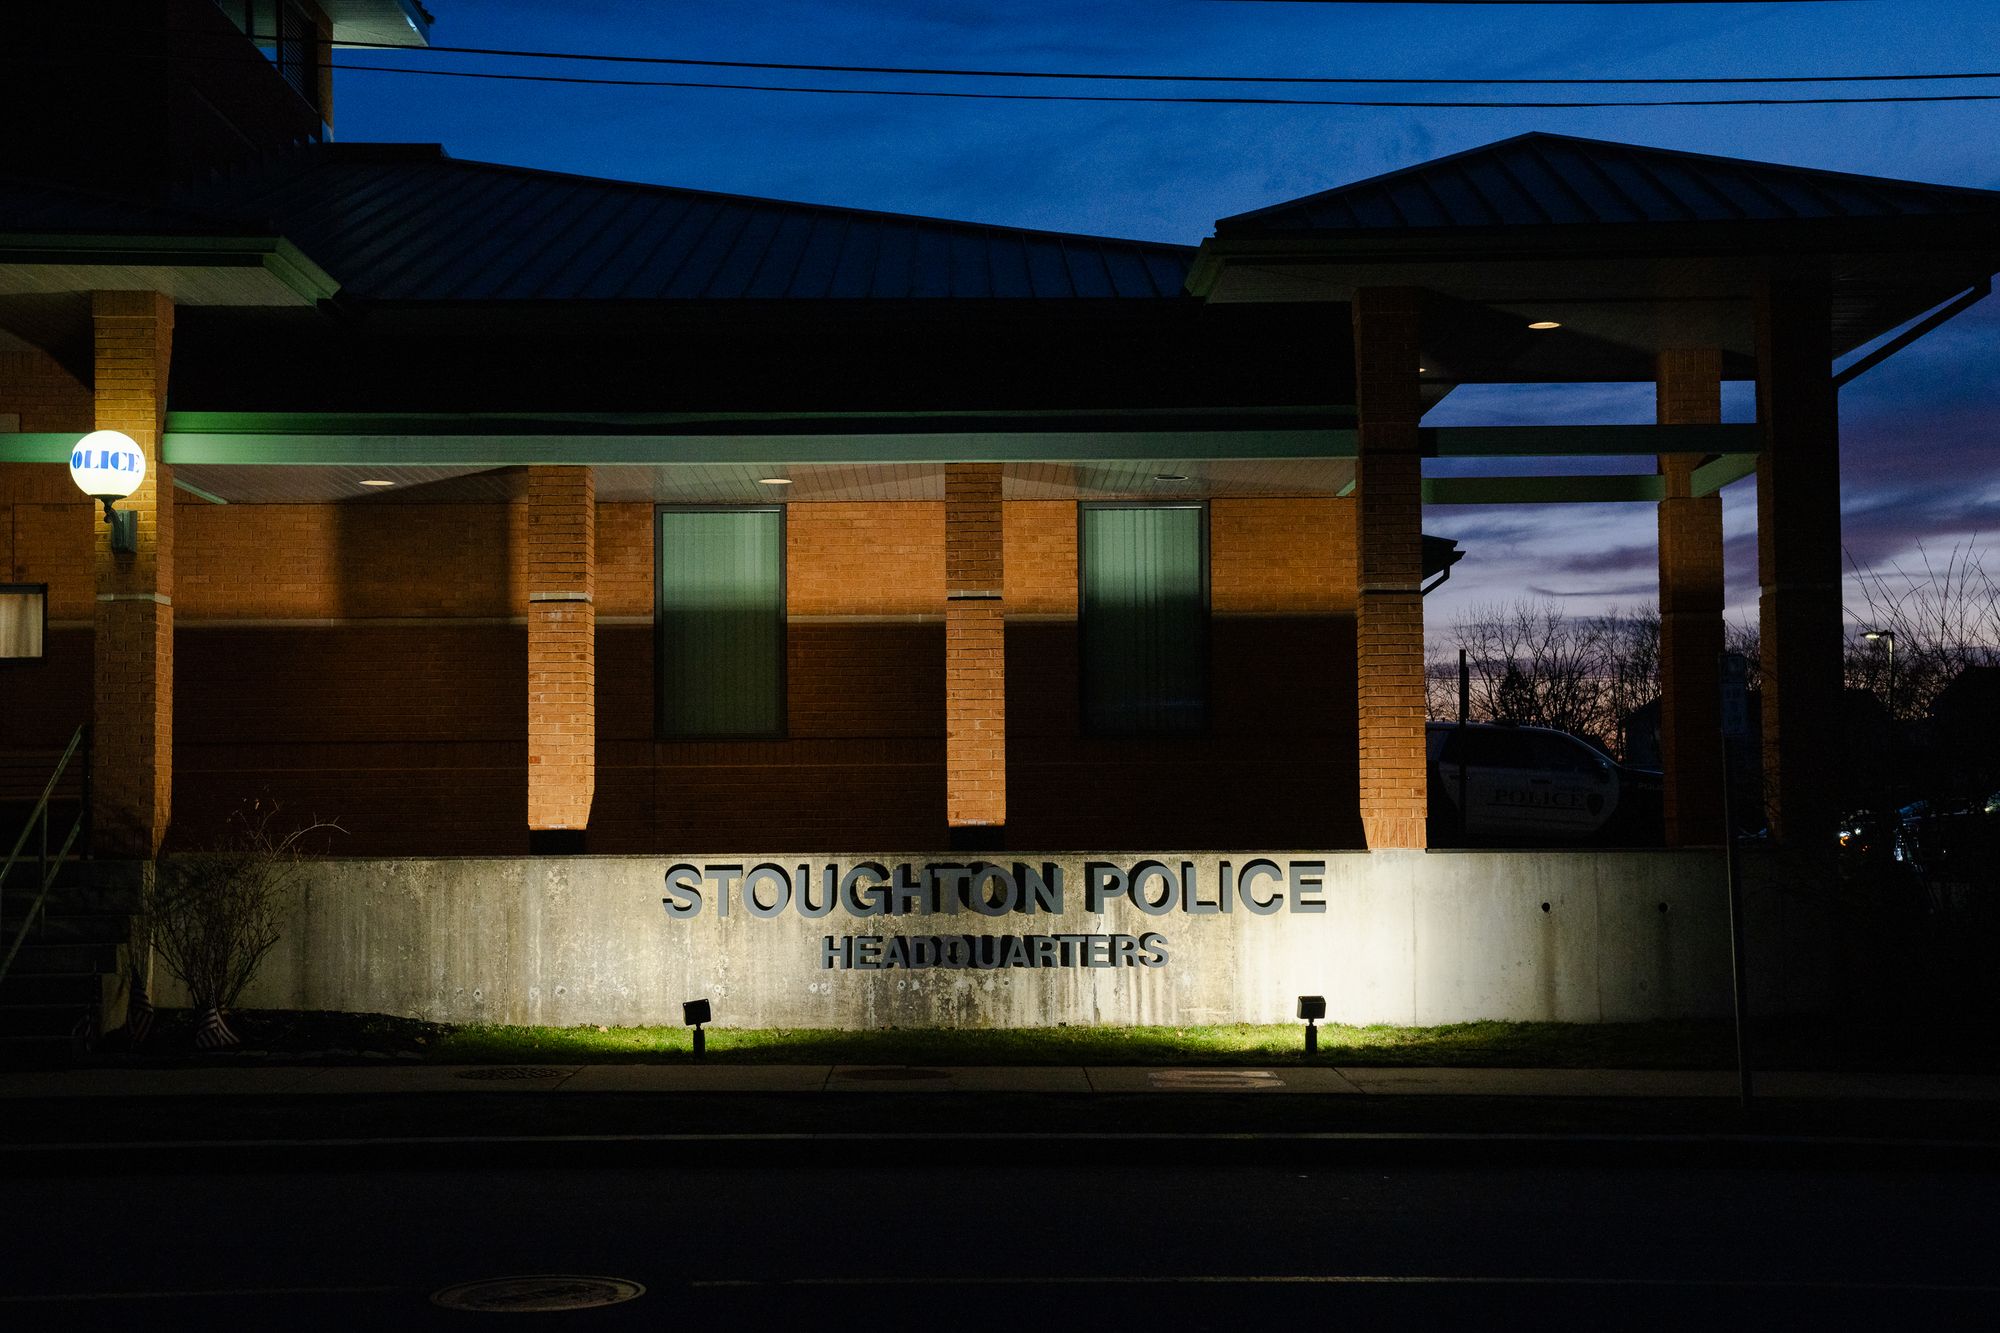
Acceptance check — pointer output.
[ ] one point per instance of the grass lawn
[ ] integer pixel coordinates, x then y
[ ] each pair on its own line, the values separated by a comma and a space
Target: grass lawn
1960, 1043
1634, 1045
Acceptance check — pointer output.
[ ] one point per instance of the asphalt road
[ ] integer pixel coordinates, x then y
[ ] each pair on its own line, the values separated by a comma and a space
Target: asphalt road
1054, 1238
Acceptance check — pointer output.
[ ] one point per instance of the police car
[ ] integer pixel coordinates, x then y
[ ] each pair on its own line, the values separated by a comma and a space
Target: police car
1535, 785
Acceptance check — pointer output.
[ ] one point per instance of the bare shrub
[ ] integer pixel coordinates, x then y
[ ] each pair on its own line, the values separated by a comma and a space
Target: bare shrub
213, 915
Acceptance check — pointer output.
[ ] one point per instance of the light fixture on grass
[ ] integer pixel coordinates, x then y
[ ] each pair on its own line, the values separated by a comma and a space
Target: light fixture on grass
1312, 1008
694, 1013
108, 465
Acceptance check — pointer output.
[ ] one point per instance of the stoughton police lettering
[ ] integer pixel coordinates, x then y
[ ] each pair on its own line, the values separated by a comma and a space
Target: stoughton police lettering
1261, 887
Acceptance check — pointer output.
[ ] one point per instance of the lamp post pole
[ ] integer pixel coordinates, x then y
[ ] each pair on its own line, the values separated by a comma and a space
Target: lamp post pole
1887, 638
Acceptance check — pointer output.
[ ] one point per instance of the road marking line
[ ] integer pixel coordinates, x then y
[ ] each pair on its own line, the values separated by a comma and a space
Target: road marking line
1357, 1279
200, 1294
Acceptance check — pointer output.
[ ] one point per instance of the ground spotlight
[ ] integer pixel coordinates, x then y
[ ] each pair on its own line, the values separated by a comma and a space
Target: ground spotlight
1312, 1008
694, 1013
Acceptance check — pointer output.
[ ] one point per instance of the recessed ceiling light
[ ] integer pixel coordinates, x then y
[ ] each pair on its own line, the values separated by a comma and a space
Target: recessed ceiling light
377, 481
774, 481
1546, 324
1170, 476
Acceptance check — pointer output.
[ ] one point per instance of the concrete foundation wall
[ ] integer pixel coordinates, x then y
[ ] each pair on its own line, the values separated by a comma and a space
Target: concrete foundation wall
1405, 937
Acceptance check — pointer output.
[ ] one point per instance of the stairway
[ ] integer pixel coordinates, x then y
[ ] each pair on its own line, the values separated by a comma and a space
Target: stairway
65, 983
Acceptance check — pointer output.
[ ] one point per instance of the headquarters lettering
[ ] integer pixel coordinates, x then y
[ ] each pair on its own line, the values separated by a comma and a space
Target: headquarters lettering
1261, 887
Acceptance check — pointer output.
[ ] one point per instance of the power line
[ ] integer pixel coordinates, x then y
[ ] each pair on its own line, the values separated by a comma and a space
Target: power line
1129, 77
962, 95
949, 94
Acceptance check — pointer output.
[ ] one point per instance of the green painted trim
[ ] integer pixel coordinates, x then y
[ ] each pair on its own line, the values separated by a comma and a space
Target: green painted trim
482, 451
198, 492
289, 265
38, 447
1713, 475
274, 254
663, 423
1541, 490
1580, 441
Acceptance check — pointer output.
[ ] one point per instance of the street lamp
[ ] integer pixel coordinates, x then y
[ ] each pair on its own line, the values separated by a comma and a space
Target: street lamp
1887, 637
108, 465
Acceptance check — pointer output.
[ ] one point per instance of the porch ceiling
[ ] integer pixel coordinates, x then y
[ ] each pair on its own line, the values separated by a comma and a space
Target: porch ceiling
700, 483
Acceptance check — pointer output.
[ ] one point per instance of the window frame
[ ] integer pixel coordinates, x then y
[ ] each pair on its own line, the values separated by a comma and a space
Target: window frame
783, 732
43, 589
1205, 652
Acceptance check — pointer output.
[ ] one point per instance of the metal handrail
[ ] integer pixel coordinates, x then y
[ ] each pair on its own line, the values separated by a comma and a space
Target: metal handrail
50, 868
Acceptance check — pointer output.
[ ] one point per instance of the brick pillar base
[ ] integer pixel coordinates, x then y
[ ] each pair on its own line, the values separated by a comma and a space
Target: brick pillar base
975, 655
1798, 557
562, 655
1389, 618
1691, 596
133, 688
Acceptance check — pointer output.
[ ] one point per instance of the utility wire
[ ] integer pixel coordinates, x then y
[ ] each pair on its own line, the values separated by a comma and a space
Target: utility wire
1494, 104
1124, 77
1218, 100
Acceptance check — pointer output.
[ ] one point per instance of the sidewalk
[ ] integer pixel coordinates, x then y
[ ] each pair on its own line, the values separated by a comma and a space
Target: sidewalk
391, 1079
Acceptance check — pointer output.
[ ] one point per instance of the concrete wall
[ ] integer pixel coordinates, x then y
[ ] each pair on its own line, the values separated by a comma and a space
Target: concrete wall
1406, 937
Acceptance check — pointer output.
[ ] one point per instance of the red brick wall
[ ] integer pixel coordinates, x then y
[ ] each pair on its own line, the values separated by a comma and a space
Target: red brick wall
1277, 766
975, 649
46, 531
562, 647
1389, 615
133, 667
368, 663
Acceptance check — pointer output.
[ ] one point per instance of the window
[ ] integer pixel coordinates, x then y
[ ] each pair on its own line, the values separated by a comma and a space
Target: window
24, 620
1142, 589
287, 38
719, 621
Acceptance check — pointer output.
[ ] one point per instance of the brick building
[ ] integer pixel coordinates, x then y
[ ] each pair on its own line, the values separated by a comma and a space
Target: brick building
495, 511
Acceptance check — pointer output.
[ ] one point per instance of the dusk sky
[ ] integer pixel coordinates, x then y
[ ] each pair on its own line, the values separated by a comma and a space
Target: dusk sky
1919, 434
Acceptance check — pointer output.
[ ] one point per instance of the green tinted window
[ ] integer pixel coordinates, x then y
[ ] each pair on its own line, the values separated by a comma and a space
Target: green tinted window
1143, 592
719, 617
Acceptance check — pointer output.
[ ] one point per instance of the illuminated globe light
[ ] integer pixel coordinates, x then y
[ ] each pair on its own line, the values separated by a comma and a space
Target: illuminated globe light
107, 465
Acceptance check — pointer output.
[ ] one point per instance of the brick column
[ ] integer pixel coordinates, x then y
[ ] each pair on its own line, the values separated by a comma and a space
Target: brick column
975, 657
1689, 388
1389, 619
133, 688
1798, 554
562, 655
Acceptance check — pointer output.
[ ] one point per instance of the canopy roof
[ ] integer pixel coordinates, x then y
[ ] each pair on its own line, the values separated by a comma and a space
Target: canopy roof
1537, 180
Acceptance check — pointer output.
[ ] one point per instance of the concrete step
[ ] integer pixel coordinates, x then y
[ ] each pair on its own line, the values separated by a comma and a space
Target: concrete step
44, 960
42, 1020
72, 898
63, 928
43, 1052
80, 988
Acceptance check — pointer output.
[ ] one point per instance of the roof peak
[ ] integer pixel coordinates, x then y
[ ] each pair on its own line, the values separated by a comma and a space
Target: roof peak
1542, 176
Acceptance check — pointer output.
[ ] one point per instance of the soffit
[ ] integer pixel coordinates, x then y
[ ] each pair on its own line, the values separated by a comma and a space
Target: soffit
736, 484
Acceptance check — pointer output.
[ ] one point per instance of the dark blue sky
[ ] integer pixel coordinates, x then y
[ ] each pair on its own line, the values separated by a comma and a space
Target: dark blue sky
1920, 433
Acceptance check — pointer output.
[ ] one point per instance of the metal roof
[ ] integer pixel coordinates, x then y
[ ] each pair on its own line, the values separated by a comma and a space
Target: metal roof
35, 207
407, 223
1540, 179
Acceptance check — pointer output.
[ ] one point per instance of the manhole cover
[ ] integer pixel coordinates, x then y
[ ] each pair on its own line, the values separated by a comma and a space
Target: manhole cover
894, 1075
511, 1071
538, 1291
